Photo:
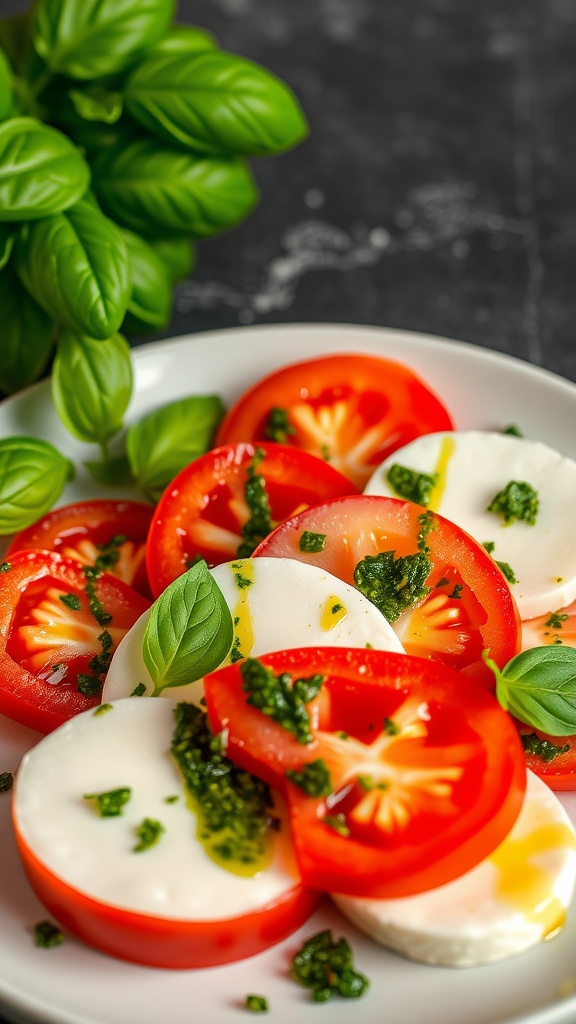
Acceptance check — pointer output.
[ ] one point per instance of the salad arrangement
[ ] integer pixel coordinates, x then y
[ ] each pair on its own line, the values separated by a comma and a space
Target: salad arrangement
464, 603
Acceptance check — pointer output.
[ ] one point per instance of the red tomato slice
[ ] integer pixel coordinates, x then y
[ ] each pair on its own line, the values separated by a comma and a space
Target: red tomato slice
203, 511
468, 606
553, 758
85, 530
557, 627
165, 942
353, 410
49, 637
427, 771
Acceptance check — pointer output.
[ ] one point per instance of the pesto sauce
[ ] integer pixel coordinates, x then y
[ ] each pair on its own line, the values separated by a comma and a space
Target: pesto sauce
408, 483
518, 501
280, 697
259, 524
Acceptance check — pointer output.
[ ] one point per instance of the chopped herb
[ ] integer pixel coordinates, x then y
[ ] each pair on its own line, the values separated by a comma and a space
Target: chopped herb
149, 832
513, 430
337, 822
59, 667
314, 779
442, 583
281, 698
236, 652
71, 601
489, 545
256, 1004
410, 484
393, 584
457, 592
110, 803
543, 749
171, 799
342, 735
369, 646
391, 728
6, 782
427, 523
312, 542
507, 571
556, 620
277, 426
5, 566
139, 690
91, 574
240, 580
517, 501
47, 935
259, 524
89, 686
326, 966
109, 553
102, 708
234, 808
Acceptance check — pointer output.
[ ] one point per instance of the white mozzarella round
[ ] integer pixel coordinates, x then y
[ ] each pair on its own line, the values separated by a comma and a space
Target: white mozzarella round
276, 603
472, 467
128, 745
513, 900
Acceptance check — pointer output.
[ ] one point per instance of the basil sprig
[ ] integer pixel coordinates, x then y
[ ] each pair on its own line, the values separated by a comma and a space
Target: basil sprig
539, 688
189, 631
33, 474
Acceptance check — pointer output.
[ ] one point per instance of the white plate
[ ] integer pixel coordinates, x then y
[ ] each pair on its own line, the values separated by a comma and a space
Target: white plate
74, 985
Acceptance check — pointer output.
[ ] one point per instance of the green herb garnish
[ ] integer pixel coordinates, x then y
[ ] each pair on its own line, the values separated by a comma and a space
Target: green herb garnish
72, 601
280, 697
149, 832
393, 584
311, 543
6, 782
507, 571
278, 428
259, 524
47, 935
543, 749
326, 967
256, 1004
518, 501
538, 687
408, 483
110, 804
314, 779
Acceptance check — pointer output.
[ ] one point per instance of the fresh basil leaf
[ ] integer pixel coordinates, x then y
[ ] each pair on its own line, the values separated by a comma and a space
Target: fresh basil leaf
97, 37
178, 256
6, 89
168, 439
157, 191
150, 303
27, 335
188, 39
33, 474
41, 171
214, 102
539, 688
6, 243
92, 385
96, 136
189, 631
112, 472
97, 104
16, 41
75, 264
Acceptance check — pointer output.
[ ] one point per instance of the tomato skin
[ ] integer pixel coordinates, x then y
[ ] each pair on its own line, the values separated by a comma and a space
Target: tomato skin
362, 689
76, 530
203, 509
24, 695
483, 616
559, 773
165, 942
360, 407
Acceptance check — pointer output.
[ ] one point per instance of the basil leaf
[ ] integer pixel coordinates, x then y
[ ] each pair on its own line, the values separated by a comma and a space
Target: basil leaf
6, 91
157, 191
75, 264
214, 102
41, 171
150, 303
96, 136
92, 385
16, 41
27, 335
112, 472
6, 243
178, 256
539, 687
33, 474
189, 631
188, 39
168, 439
97, 37
97, 104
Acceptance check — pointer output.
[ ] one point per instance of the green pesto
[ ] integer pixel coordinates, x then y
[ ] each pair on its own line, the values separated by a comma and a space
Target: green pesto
111, 803
391, 728
408, 483
47, 935
311, 543
543, 749
442, 583
72, 601
259, 524
518, 501
256, 1004
5, 566
327, 968
139, 690
489, 545
337, 822
280, 697
88, 686
314, 779
507, 570
513, 430
457, 592
278, 427
149, 832
102, 709
6, 781
92, 574
556, 620
368, 783
393, 584
233, 807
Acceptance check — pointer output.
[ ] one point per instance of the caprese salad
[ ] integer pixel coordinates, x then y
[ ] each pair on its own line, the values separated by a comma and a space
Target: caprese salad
332, 603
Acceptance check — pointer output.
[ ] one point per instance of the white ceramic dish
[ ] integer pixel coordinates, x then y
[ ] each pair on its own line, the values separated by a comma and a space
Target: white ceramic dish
74, 985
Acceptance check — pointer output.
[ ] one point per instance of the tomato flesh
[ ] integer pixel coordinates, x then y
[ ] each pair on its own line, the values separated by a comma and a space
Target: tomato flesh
427, 771
352, 409
468, 607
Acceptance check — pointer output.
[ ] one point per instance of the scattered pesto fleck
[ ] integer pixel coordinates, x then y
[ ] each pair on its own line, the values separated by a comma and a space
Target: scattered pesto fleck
89, 686
442, 583
6, 781
513, 430
72, 601
556, 620
278, 427
314, 779
241, 581
427, 523
337, 822
369, 646
408, 483
102, 709
91, 574
518, 501
149, 832
5, 566
508, 571
171, 799
326, 967
489, 545
325, 452
369, 783
543, 749
47, 935
312, 542
280, 697
391, 728
393, 584
259, 524
110, 803
457, 592
256, 1004
139, 690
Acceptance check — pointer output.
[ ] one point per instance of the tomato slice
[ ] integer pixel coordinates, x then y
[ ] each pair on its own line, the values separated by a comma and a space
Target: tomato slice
207, 506
426, 771
89, 530
553, 758
353, 410
55, 641
557, 627
466, 605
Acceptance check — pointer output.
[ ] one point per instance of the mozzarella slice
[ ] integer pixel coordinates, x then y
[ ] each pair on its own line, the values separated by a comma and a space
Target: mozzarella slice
472, 467
128, 746
276, 603
513, 900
